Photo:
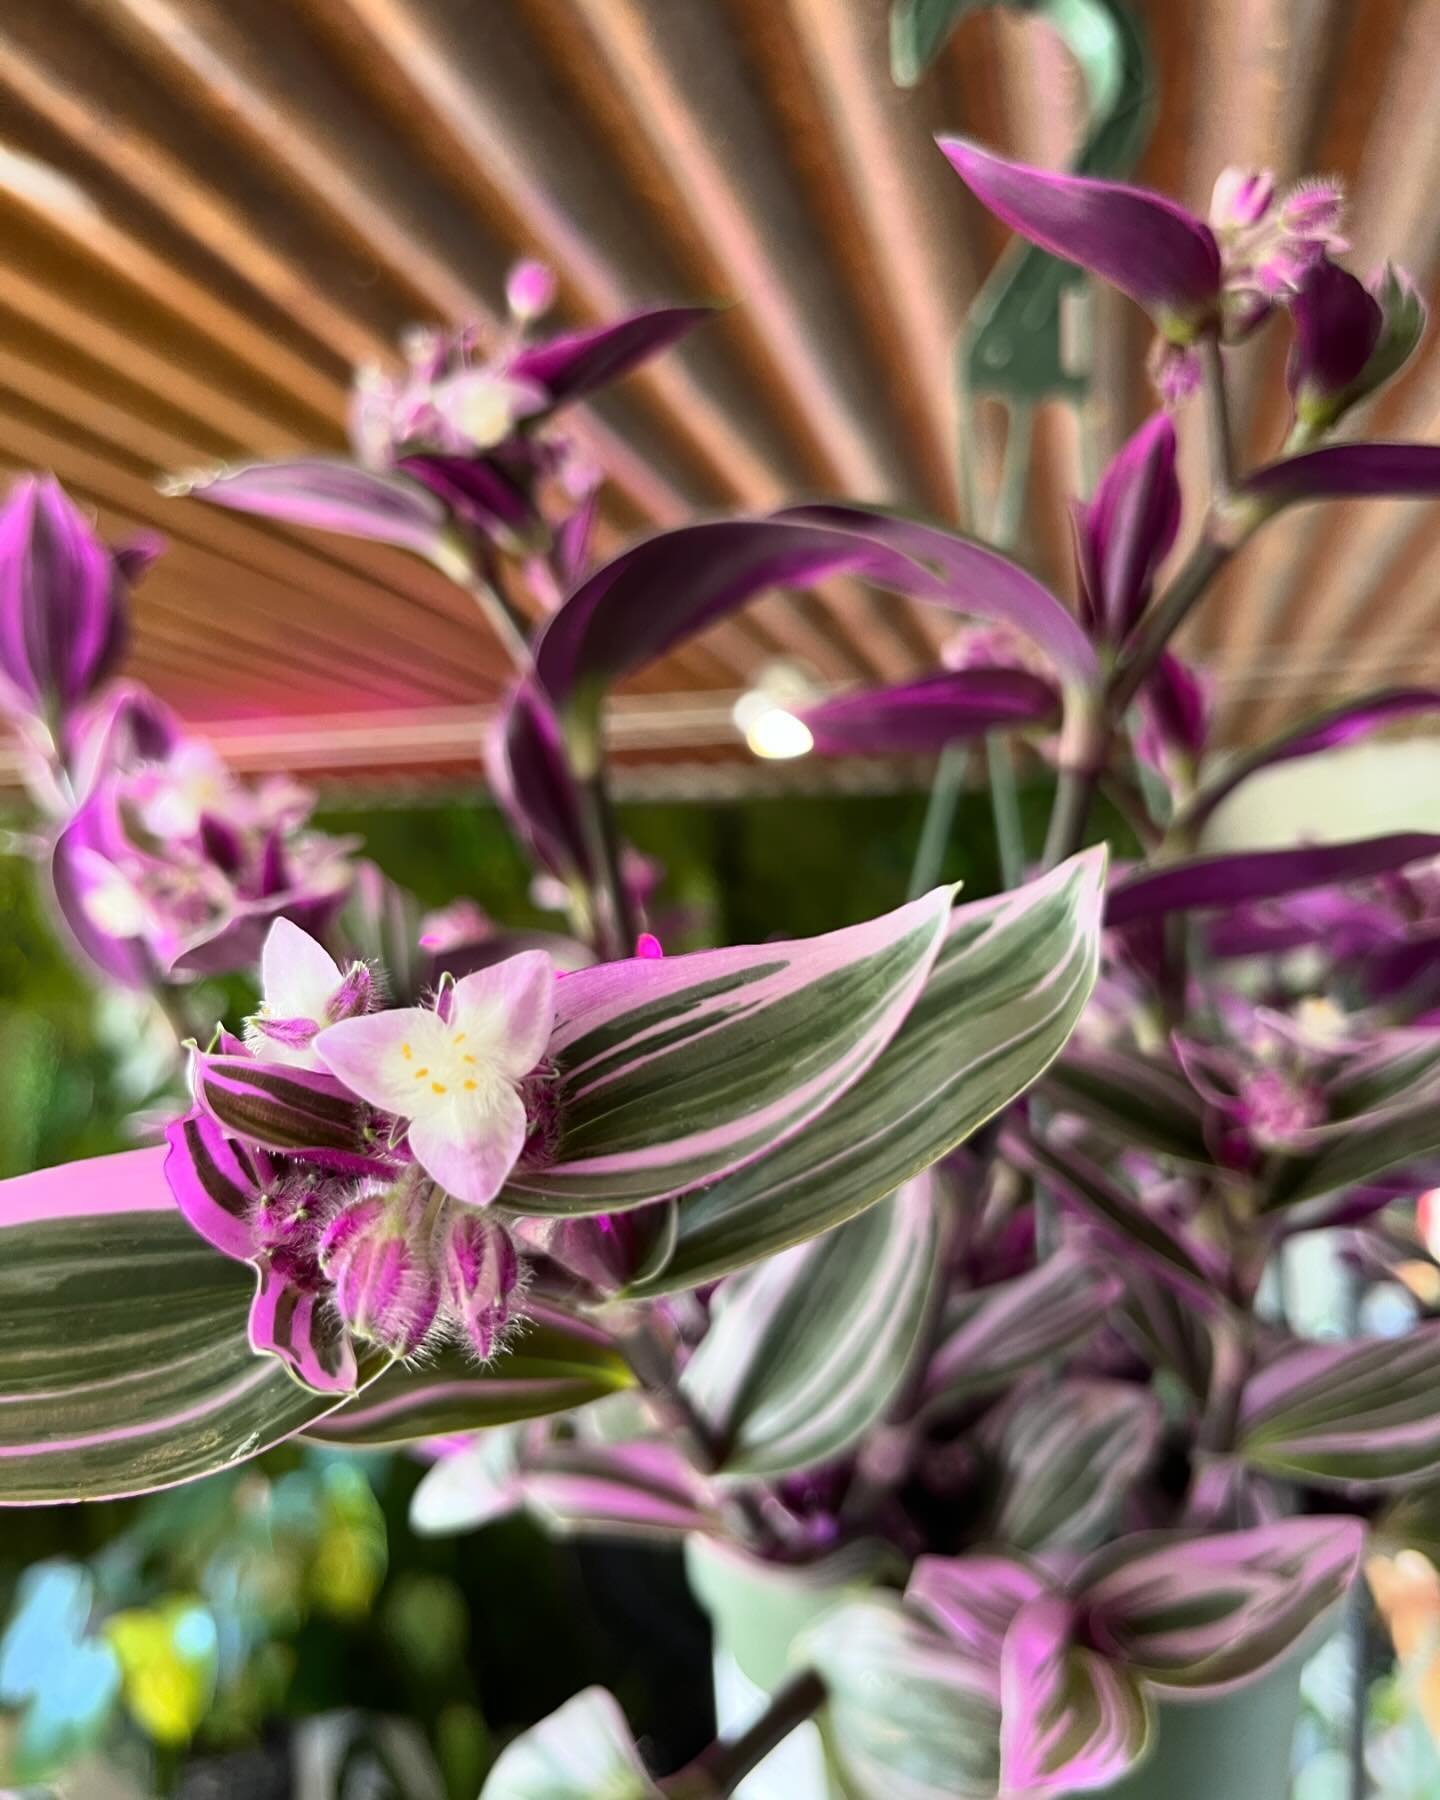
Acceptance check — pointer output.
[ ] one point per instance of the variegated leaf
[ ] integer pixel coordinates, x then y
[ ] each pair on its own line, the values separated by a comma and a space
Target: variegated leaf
616, 1490
1205, 1613
554, 1364
910, 1718
1366, 1412
1369, 1146
1005, 993
470, 1484
807, 1351
1067, 1453
995, 1333
1117, 1210
975, 1599
676, 1071
125, 1354
300, 1111
1071, 1721
582, 1752
1134, 1099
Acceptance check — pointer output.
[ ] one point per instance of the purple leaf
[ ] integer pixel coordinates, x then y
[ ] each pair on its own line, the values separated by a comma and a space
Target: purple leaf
927, 714
492, 499
664, 590
530, 779
329, 494
63, 618
1337, 325
1070, 1721
131, 1181
1230, 879
301, 1111
1341, 724
1147, 246
1127, 530
581, 361
90, 890
963, 577
1348, 471
1208, 1613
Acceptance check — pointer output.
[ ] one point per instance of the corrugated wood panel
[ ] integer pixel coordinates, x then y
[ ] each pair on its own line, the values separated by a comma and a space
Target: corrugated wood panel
213, 209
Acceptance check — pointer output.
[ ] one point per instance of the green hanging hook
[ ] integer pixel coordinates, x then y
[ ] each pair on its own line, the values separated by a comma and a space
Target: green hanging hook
1014, 342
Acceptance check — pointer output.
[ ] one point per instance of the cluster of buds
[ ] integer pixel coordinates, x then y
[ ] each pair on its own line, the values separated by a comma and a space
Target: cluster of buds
1269, 241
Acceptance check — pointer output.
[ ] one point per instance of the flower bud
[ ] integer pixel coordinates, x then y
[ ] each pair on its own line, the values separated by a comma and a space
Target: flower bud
1125, 533
481, 1274
354, 996
530, 289
384, 1281
62, 602
1241, 198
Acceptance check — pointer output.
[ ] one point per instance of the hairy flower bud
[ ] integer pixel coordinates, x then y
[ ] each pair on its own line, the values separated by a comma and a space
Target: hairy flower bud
376, 1254
480, 1271
530, 289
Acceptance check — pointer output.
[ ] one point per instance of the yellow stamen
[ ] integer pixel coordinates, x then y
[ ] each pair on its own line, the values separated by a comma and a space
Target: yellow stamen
469, 1087
406, 1052
438, 1087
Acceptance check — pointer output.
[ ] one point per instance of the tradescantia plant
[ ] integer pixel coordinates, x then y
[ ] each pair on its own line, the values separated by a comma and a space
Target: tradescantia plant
924, 1269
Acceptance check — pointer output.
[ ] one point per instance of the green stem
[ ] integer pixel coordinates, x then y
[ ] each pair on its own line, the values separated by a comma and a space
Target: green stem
1070, 814
457, 558
1005, 807
1217, 413
1196, 573
616, 925
720, 1769
939, 817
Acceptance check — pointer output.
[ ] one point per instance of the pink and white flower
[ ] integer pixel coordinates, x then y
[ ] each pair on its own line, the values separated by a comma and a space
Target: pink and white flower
453, 1072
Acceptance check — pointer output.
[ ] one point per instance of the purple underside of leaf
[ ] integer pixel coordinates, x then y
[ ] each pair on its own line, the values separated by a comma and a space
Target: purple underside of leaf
93, 831
1349, 471
668, 588
215, 1183
1342, 724
1259, 875
581, 361
1142, 243
131, 1181
974, 1599
330, 494
927, 714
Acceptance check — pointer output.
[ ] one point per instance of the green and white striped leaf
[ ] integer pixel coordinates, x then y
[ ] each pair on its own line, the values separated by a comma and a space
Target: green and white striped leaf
1363, 1413
997, 1333
805, 1353
677, 1071
1005, 993
554, 1364
909, 1717
1066, 1454
125, 1358
616, 1490
582, 1752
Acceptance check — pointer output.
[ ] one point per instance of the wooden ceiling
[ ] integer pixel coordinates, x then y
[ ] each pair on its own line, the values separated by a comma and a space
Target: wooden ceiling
212, 209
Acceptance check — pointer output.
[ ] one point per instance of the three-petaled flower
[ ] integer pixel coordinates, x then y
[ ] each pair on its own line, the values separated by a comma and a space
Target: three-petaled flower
453, 1072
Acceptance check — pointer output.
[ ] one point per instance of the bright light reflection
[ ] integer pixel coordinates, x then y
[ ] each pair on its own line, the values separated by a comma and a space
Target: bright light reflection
778, 735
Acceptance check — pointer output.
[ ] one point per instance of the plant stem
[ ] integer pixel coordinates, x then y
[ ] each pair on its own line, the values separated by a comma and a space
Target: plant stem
1217, 414
457, 557
939, 817
616, 925
720, 1769
654, 1368
1196, 573
1005, 806
1069, 815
